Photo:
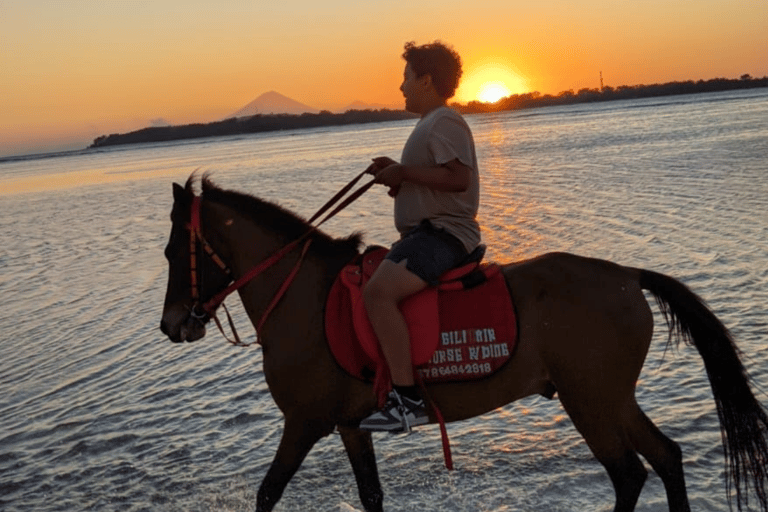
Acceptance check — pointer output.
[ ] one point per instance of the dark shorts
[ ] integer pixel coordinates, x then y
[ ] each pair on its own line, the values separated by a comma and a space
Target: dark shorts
429, 251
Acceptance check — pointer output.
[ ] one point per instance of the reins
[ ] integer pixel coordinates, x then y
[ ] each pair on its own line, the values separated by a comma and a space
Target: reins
212, 304
196, 235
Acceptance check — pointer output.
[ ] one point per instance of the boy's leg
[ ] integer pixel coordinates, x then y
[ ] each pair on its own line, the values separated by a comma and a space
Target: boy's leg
416, 260
389, 285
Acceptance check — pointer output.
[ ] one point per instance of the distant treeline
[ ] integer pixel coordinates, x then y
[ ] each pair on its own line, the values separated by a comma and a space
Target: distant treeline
624, 92
273, 122
252, 124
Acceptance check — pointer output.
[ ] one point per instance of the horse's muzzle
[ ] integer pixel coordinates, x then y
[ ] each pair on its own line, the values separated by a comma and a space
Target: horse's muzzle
181, 326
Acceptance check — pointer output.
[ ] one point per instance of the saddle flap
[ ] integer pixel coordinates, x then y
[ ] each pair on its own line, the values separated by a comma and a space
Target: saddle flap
421, 315
420, 311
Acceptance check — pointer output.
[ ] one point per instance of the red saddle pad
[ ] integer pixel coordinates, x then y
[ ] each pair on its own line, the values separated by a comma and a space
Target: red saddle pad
456, 333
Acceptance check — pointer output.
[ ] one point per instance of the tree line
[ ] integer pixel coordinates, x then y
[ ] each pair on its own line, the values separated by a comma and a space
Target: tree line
252, 124
623, 92
273, 122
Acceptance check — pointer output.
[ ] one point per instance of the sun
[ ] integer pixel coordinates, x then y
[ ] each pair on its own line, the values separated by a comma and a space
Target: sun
490, 80
491, 92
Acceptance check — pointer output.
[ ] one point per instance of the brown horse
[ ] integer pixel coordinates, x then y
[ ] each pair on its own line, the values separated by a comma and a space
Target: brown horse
584, 328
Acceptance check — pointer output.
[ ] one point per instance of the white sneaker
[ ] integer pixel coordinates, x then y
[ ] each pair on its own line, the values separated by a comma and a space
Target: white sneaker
399, 414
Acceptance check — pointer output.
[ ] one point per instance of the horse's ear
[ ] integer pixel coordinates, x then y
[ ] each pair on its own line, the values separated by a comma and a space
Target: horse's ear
179, 194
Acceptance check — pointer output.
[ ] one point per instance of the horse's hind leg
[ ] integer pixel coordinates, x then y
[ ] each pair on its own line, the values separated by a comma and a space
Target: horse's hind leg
602, 429
363, 459
664, 455
616, 435
299, 436
624, 467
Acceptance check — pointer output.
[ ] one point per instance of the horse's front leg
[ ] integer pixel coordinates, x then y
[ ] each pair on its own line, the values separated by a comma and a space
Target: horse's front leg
299, 436
360, 451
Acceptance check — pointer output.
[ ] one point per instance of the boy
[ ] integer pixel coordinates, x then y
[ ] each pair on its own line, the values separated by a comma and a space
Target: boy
436, 191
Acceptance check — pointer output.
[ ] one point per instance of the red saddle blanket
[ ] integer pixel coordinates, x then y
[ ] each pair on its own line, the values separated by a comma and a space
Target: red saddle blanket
456, 332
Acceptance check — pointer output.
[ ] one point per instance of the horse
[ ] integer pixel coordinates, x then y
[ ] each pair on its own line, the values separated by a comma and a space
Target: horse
584, 329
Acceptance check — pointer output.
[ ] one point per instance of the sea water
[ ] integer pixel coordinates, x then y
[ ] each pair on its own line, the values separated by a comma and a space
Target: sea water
100, 412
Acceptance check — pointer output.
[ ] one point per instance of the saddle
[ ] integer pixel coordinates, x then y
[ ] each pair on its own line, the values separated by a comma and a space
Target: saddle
462, 329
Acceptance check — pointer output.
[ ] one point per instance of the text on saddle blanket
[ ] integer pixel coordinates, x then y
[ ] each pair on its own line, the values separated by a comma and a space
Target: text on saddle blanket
458, 331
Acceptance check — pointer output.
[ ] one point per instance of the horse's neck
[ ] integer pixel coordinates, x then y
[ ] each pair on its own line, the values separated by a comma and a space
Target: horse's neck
240, 240
248, 244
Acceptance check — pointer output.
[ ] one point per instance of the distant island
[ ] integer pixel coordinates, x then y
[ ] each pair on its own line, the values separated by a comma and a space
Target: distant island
272, 122
251, 124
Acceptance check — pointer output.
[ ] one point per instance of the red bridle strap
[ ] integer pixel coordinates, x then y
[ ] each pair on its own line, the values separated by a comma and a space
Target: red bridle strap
193, 253
210, 306
195, 235
283, 288
218, 299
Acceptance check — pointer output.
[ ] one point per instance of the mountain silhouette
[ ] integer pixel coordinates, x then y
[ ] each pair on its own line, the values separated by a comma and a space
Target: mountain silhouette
274, 103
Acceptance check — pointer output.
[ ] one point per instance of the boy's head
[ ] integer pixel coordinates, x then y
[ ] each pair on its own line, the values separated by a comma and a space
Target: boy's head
437, 60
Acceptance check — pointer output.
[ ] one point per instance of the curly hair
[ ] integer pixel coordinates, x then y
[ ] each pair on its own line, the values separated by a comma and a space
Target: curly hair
438, 60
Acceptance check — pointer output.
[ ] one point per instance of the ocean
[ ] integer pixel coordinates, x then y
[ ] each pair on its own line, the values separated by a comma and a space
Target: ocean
100, 412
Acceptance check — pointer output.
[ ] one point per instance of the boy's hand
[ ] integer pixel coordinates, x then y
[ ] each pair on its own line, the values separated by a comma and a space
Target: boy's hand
387, 172
378, 164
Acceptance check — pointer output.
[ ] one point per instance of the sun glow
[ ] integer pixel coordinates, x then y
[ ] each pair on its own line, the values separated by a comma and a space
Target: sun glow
491, 92
490, 81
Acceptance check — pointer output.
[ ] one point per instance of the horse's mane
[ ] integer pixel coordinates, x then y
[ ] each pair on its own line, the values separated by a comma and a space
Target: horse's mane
288, 225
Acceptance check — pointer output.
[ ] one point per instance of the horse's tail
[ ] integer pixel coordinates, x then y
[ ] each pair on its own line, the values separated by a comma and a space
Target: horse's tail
743, 421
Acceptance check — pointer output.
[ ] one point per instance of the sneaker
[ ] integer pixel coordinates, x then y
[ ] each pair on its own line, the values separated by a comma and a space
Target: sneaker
399, 414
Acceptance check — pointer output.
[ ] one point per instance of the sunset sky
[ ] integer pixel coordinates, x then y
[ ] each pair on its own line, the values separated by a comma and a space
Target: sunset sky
73, 70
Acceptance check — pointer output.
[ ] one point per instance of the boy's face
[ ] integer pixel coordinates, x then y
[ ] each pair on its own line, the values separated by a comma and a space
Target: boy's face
413, 89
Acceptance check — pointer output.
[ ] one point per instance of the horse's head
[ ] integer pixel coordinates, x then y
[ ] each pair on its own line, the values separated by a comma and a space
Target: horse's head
194, 277
224, 227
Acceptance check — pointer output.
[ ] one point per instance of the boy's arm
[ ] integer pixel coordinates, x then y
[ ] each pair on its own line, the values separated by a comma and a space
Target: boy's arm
452, 176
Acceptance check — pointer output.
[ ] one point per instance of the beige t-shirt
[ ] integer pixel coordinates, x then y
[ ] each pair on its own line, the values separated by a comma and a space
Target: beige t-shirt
438, 138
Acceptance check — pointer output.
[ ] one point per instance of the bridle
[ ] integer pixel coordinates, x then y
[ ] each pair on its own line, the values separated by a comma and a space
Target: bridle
199, 311
196, 238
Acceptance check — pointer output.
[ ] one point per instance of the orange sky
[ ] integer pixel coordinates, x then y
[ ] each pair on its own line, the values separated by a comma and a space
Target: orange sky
71, 71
